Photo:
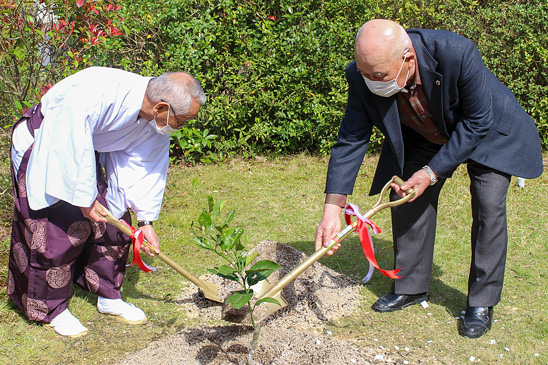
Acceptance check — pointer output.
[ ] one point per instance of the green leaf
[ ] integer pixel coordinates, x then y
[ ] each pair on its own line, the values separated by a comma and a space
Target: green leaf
255, 277
225, 269
205, 221
218, 207
211, 203
230, 237
264, 265
243, 241
239, 299
18, 54
229, 217
231, 277
194, 183
252, 256
261, 271
203, 243
267, 300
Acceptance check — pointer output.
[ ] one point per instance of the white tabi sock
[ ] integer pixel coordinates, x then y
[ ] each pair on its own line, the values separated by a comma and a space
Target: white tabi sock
126, 312
67, 325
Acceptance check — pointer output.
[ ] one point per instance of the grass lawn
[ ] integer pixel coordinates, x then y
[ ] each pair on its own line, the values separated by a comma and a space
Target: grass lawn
282, 200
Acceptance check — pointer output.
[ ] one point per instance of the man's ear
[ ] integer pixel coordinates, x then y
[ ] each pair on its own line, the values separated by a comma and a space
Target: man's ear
160, 107
412, 59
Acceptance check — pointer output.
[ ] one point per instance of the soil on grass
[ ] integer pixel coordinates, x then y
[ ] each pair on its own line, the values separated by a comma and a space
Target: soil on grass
295, 334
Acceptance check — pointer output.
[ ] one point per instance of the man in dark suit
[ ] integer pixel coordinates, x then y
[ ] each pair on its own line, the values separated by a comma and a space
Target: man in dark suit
438, 106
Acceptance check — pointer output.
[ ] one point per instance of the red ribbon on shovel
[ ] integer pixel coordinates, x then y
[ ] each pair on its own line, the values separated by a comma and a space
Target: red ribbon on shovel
137, 238
366, 241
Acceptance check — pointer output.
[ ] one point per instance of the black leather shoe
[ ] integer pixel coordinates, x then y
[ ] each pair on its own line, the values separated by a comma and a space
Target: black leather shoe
476, 322
393, 302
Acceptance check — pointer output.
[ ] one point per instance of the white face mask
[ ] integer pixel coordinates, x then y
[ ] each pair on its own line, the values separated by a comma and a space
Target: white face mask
386, 88
165, 129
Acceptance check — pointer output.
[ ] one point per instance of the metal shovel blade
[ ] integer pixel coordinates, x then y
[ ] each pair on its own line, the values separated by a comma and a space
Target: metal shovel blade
209, 290
275, 290
262, 288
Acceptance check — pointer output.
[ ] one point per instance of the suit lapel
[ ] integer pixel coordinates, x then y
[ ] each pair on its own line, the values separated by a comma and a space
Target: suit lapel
432, 82
388, 110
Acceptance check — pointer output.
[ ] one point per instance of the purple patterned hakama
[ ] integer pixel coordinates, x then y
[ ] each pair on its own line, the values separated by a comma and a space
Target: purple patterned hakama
53, 247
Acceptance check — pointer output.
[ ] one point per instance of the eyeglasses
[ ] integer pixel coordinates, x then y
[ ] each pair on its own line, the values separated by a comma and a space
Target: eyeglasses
173, 110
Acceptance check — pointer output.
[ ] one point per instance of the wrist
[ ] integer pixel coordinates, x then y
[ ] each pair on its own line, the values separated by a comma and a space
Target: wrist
431, 174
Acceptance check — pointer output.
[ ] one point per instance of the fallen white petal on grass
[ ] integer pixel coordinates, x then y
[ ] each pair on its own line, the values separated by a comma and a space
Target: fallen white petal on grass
352, 360
406, 348
396, 347
507, 349
537, 354
463, 312
495, 320
428, 314
318, 342
329, 332
492, 342
429, 341
375, 340
378, 357
381, 347
424, 304
405, 362
472, 358
500, 356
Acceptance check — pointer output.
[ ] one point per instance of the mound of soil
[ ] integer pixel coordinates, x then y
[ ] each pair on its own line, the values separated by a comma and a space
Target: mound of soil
295, 334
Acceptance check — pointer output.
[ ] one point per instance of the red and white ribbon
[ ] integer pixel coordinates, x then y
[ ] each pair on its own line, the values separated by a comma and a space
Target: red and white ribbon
367, 242
137, 238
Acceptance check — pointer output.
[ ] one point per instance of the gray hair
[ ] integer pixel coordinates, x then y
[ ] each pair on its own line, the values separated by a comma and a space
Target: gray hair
179, 93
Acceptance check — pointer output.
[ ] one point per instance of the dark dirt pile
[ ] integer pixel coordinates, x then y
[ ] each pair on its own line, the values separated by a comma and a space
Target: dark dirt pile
295, 334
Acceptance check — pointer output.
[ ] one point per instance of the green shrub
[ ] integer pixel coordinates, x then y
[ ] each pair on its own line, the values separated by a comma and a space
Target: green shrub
42, 42
274, 71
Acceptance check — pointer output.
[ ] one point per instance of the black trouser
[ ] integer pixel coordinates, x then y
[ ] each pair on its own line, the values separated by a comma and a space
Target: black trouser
414, 229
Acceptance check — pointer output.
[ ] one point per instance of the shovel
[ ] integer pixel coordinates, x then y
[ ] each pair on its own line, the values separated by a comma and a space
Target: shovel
210, 290
274, 291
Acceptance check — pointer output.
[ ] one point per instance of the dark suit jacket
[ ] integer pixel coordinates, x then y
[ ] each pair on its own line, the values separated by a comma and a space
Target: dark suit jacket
478, 114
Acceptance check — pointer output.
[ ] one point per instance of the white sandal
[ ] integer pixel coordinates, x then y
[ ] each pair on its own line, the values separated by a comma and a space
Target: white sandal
65, 324
125, 312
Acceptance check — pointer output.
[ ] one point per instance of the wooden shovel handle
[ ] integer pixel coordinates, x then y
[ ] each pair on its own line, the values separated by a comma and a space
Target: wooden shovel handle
292, 275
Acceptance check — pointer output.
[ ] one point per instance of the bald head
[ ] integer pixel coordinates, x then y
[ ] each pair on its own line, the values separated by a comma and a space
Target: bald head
384, 52
381, 41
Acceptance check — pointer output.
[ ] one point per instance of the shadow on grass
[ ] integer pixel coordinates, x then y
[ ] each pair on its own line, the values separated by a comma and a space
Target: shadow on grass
350, 261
